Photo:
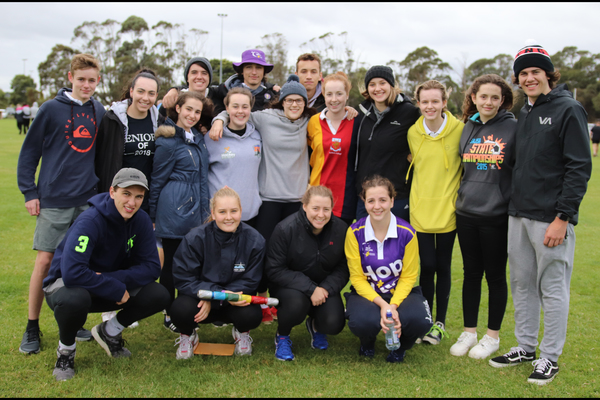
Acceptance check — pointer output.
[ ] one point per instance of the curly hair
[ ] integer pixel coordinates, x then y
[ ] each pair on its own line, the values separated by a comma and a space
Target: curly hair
469, 109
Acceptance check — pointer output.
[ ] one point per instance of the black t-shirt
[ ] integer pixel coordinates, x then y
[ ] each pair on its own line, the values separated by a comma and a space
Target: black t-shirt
139, 148
239, 132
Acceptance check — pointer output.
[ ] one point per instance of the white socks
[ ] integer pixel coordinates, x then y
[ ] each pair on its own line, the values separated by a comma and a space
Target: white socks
113, 327
63, 347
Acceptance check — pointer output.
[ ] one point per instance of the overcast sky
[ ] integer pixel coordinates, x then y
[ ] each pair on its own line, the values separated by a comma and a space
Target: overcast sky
377, 32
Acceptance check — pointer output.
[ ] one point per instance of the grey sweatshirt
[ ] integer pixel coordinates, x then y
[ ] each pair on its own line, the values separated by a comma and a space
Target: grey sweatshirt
284, 170
234, 161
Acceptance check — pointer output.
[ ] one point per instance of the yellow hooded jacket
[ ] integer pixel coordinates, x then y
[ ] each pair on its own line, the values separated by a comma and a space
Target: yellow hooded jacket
436, 176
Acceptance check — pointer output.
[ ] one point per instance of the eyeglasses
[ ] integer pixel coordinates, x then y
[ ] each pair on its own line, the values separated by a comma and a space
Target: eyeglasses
289, 102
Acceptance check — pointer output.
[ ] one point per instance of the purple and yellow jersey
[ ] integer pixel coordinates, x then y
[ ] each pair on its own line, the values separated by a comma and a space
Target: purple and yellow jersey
330, 160
389, 267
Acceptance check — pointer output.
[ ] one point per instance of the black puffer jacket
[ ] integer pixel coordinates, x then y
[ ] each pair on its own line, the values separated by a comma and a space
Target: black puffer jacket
553, 160
381, 146
298, 259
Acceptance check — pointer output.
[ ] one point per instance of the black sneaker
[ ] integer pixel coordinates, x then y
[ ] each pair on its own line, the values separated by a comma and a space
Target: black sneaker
544, 371
396, 356
171, 326
515, 356
30, 344
64, 369
113, 345
83, 335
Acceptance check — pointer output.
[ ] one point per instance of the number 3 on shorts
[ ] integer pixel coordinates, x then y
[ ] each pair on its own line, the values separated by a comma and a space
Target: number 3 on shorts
83, 242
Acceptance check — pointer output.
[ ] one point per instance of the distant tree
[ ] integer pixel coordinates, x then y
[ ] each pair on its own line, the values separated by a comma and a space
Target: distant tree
419, 66
275, 47
54, 71
335, 52
19, 86
228, 70
357, 79
500, 65
4, 99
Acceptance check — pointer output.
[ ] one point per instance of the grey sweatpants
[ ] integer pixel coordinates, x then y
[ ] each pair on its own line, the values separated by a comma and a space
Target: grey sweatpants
539, 276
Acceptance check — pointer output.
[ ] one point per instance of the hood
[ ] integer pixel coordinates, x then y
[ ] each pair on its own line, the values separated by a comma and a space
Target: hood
106, 207
250, 129
169, 129
451, 124
233, 80
62, 97
120, 110
367, 106
561, 90
501, 116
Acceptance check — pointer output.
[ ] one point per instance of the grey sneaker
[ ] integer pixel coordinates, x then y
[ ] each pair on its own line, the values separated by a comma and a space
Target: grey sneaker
113, 345
83, 335
30, 344
64, 369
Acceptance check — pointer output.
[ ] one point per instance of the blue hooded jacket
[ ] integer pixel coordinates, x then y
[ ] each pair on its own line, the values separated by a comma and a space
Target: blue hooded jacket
179, 188
63, 135
100, 240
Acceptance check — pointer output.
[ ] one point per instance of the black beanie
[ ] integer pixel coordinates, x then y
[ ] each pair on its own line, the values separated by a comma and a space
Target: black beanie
532, 55
380, 71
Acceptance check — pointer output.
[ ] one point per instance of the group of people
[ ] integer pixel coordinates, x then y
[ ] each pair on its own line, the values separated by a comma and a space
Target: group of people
251, 188
24, 115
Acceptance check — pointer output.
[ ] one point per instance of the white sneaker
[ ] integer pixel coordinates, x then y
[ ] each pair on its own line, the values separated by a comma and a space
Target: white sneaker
465, 341
108, 315
485, 348
135, 324
243, 342
186, 346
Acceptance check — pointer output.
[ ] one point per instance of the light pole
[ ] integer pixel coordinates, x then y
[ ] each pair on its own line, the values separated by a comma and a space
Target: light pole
221, 65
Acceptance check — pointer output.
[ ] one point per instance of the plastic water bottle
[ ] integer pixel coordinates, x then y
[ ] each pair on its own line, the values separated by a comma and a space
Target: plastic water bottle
392, 342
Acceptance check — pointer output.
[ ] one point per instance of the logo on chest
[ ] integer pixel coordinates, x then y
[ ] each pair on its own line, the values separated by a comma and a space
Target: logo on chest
336, 146
239, 267
227, 153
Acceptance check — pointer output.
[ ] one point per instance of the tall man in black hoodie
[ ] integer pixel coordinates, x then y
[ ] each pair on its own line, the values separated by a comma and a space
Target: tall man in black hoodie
63, 135
552, 168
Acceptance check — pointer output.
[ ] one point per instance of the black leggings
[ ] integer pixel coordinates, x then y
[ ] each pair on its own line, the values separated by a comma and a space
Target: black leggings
71, 307
166, 274
294, 306
435, 251
269, 215
184, 308
483, 244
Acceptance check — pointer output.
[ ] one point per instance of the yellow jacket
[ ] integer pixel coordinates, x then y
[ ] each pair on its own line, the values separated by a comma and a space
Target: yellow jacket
436, 176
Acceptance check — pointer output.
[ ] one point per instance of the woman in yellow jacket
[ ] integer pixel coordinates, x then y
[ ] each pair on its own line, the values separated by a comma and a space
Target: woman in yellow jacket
434, 141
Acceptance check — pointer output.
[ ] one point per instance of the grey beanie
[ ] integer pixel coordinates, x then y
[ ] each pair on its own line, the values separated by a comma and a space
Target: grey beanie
293, 86
203, 61
380, 71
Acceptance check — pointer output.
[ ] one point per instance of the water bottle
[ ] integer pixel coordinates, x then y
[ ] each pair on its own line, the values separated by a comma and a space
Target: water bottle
392, 342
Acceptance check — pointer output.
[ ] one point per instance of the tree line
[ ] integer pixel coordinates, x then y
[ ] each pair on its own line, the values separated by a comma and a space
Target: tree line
123, 48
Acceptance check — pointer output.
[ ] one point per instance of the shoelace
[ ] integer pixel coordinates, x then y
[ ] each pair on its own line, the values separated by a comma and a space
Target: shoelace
244, 339
514, 351
33, 335
284, 346
184, 340
440, 331
486, 341
65, 361
541, 365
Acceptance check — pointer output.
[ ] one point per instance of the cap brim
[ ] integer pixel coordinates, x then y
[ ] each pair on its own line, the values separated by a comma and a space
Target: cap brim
132, 183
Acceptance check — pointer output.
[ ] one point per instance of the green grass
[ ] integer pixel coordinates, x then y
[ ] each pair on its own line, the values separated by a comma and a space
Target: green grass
428, 371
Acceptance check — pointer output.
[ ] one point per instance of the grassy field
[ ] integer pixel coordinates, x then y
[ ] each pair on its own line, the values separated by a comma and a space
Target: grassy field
152, 371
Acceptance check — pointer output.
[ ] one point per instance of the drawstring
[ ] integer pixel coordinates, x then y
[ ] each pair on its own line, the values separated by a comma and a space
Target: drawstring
414, 157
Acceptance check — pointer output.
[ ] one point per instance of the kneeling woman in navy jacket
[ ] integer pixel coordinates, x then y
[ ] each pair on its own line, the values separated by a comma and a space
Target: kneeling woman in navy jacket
223, 255
307, 270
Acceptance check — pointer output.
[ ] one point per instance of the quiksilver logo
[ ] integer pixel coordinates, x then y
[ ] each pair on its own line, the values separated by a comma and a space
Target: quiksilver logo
545, 121
394, 123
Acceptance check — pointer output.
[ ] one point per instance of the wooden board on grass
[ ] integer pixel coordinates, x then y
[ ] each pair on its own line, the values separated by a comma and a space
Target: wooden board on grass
215, 349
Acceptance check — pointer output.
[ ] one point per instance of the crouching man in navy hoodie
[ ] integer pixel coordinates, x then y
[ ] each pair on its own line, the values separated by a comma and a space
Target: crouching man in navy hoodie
107, 261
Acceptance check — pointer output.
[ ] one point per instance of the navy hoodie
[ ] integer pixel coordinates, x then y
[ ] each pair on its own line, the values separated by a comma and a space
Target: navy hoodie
63, 134
100, 240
